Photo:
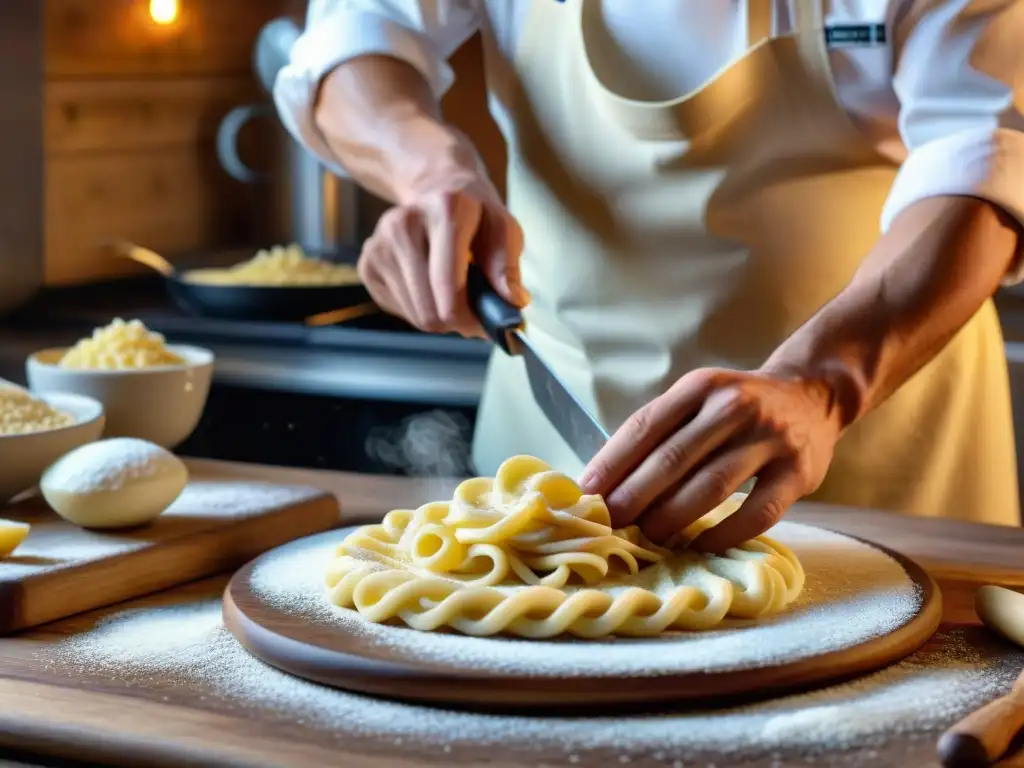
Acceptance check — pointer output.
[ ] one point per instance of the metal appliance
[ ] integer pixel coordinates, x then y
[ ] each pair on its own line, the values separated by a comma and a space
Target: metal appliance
21, 154
312, 206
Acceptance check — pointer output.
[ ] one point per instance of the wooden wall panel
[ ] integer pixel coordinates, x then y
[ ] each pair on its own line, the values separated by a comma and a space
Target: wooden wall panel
173, 200
104, 115
131, 112
116, 38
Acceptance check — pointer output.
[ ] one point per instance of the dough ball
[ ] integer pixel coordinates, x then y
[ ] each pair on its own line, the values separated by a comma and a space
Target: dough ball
114, 483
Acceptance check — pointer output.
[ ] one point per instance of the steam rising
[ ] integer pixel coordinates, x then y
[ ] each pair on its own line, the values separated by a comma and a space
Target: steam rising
432, 444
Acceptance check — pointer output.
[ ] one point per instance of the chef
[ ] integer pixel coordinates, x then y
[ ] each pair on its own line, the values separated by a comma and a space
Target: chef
759, 238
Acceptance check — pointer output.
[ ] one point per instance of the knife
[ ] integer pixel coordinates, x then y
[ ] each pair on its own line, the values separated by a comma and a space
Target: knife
504, 325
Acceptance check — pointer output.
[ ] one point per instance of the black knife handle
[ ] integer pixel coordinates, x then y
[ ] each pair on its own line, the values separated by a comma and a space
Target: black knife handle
497, 316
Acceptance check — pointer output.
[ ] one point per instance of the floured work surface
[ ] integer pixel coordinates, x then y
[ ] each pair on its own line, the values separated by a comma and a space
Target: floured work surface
861, 608
217, 524
177, 671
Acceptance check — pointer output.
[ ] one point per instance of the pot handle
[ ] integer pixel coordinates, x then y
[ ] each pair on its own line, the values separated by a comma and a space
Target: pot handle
227, 141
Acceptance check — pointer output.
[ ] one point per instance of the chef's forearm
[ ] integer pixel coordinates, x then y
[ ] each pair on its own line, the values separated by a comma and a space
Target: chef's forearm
922, 282
384, 124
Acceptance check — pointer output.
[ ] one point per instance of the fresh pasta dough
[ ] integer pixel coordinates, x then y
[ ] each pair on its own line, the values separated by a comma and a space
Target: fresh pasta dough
120, 482
528, 554
282, 266
120, 345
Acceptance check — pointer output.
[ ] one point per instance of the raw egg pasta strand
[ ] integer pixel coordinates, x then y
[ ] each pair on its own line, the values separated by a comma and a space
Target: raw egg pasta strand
529, 554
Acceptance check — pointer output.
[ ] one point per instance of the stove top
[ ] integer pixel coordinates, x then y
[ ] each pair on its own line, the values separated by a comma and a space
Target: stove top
82, 308
376, 357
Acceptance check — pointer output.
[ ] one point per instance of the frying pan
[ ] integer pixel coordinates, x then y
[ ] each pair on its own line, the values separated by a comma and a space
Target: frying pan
314, 304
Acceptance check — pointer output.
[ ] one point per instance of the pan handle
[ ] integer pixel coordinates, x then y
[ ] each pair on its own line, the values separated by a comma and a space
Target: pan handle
498, 318
146, 257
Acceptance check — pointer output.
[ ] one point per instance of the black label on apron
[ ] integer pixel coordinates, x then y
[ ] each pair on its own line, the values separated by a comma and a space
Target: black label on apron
847, 35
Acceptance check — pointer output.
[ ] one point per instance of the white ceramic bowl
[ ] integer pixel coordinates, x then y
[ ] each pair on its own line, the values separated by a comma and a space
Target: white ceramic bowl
161, 404
23, 458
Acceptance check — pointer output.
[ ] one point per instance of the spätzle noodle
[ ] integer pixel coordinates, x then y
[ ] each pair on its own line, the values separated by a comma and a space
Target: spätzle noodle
21, 413
120, 345
529, 554
283, 266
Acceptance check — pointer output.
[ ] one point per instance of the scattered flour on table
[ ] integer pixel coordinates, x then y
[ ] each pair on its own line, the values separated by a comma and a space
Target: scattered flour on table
185, 647
853, 593
41, 553
217, 497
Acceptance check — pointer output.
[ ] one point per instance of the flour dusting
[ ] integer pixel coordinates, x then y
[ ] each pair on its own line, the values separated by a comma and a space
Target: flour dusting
222, 498
108, 465
181, 651
202, 499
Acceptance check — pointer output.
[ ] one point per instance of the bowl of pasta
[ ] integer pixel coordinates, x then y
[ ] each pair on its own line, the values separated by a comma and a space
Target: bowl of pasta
36, 430
150, 390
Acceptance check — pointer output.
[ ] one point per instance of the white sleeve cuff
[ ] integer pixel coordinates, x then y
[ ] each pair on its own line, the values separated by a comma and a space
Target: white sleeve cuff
339, 37
332, 41
982, 163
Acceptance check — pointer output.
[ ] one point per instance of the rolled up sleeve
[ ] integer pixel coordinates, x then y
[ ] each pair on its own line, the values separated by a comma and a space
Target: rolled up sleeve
423, 33
957, 70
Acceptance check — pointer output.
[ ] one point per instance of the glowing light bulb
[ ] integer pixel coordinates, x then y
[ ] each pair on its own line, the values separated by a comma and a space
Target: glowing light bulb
163, 11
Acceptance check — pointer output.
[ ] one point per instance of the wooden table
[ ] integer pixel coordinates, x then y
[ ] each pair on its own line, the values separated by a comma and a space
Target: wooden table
54, 716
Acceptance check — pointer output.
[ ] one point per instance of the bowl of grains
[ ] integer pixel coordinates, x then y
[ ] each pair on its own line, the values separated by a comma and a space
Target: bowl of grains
36, 430
149, 390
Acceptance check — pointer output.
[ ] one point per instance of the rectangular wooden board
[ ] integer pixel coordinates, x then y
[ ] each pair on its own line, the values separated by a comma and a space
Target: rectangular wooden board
219, 523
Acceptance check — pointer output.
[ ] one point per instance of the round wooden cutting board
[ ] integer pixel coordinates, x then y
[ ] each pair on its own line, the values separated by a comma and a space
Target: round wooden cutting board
300, 633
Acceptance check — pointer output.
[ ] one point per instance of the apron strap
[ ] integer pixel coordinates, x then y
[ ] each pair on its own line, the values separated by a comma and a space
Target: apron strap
809, 31
808, 17
760, 14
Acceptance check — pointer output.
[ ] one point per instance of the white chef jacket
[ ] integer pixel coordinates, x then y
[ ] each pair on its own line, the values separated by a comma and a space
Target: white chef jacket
938, 96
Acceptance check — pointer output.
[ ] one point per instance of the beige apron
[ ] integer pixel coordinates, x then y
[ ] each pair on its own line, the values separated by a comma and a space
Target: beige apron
667, 236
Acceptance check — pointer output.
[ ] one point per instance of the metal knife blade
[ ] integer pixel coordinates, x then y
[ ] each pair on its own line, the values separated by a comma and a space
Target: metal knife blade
504, 325
567, 414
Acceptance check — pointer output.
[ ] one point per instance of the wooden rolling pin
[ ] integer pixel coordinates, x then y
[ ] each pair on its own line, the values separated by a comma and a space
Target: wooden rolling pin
983, 737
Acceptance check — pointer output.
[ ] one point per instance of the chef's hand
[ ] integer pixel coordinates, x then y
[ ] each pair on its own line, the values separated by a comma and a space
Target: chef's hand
686, 452
416, 262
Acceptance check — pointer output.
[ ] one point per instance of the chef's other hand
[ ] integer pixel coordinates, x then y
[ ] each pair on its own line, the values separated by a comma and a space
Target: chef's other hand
416, 261
687, 451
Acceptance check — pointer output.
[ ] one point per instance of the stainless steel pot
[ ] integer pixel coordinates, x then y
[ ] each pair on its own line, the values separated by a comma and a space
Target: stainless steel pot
21, 154
311, 205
